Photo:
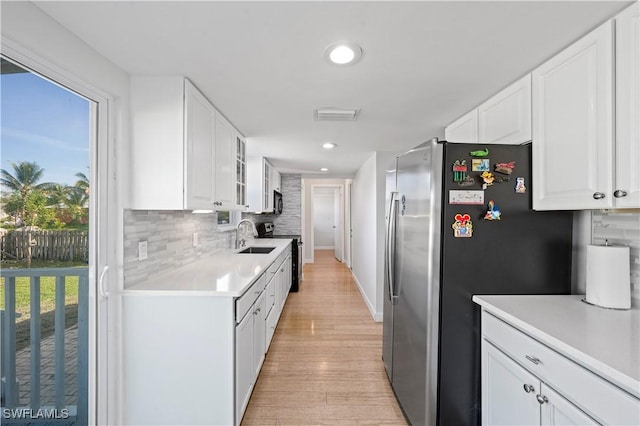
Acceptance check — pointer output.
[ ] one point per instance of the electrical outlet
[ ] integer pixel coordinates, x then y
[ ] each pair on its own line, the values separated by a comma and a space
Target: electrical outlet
142, 250
194, 240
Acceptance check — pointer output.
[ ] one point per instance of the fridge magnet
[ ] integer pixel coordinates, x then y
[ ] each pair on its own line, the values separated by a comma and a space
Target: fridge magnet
466, 197
520, 188
480, 165
462, 227
460, 171
480, 153
493, 212
501, 179
487, 178
505, 168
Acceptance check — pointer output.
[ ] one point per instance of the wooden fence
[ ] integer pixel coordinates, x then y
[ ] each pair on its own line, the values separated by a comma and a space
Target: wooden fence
57, 245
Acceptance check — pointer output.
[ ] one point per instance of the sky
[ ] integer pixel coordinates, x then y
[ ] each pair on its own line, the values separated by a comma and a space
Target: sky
43, 123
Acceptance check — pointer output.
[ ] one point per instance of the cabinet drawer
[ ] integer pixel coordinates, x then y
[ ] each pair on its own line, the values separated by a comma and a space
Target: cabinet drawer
597, 397
244, 302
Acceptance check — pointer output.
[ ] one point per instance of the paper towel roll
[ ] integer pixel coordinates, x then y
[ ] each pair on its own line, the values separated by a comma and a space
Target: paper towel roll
608, 276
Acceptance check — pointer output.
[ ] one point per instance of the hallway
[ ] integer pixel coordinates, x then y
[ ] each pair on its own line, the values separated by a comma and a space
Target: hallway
324, 365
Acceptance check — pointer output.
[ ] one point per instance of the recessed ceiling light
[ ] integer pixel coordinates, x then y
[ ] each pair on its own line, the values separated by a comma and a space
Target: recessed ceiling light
324, 169
328, 145
343, 53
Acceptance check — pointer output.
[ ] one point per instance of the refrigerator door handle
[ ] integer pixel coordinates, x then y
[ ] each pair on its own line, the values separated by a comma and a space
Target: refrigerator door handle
391, 247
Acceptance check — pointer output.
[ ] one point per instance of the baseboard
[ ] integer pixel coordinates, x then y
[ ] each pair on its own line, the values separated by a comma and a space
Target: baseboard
323, 247
377, 316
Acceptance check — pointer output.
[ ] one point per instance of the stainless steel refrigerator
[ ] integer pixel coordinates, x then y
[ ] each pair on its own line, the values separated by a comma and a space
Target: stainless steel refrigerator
457, 225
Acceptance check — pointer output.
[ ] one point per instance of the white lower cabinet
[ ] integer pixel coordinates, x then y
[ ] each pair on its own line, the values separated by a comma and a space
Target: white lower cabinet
524, 381
259, 339
244, 362
513, 396
194, 357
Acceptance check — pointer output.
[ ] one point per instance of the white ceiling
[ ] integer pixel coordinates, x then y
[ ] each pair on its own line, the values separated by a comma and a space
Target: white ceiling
261, 63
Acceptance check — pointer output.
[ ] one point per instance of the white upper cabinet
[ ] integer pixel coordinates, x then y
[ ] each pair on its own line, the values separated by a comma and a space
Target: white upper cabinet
183, 150
506, 117
224, 198
573, 126
627, 176
259, 187
464, 129
172, 142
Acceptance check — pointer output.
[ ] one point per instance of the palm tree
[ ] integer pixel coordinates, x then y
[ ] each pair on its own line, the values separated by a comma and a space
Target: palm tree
23, 182
57, 195
77, 203
24, 179
82, 183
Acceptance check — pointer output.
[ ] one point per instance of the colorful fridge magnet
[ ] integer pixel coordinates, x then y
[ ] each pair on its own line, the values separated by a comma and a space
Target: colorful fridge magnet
520, 188
466, 197
505, 168
462, 227
487, 178
460, 171
480, 153
493, 212
480, 165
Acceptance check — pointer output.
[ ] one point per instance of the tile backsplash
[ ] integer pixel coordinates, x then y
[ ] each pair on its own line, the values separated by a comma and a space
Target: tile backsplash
621, 228
290, 221
169, 235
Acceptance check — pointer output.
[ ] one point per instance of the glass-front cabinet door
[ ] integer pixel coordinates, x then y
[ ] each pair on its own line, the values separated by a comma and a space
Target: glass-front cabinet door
241, 173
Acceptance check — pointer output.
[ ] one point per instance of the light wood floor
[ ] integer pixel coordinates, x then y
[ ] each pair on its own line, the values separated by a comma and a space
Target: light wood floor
324, 365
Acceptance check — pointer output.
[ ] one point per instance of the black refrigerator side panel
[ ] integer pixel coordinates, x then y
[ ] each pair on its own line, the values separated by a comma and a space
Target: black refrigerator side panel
525, 252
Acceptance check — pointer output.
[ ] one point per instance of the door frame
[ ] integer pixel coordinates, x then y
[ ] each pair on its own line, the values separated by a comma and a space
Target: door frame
341, 209
105, 234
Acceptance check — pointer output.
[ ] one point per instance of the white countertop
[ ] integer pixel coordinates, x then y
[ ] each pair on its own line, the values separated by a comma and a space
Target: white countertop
605, 341
226, 274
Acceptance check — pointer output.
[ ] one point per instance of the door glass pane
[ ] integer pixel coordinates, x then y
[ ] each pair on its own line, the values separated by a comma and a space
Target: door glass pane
44, 236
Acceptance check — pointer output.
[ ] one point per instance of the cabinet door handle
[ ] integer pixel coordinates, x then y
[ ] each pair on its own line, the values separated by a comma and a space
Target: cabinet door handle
598, 195
528, 388
620, 193
533, 359
542, 399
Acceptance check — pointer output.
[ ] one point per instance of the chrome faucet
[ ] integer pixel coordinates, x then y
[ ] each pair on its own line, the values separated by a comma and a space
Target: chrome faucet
242, 242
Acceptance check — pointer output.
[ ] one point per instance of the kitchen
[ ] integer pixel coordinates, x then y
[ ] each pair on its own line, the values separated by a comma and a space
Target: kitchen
103, 47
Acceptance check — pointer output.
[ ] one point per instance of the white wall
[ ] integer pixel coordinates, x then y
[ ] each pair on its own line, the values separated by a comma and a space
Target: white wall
367, 212
32, 37
365, 260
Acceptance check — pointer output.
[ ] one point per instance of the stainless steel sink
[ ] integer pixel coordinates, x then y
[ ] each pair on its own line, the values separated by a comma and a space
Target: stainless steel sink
257, 250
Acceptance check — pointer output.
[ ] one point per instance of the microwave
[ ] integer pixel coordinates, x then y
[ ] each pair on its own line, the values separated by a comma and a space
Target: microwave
277, 202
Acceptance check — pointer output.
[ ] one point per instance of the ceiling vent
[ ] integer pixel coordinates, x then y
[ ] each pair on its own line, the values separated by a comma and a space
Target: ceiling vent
336, 114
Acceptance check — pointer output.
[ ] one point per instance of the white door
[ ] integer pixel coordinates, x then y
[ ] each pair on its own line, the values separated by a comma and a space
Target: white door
323, 219
508, 390
556, 410
66, 368
199, 134
464, 129
225, 155
627, 187
244, 363
573, 126
506, 117
337, 224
